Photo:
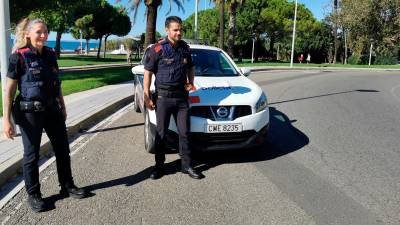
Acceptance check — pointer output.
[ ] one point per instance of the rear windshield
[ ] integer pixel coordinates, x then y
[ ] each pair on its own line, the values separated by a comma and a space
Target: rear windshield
212, 63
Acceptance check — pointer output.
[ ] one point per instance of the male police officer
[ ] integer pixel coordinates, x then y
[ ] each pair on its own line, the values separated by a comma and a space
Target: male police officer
171, 62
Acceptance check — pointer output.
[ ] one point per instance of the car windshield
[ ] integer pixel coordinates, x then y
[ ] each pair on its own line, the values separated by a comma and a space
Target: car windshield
212, 63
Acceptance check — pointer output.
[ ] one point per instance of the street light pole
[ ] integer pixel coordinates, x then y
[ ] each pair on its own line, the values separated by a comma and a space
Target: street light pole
294, 34
370, 54
5, 46
80, 31
252, 51
196, 8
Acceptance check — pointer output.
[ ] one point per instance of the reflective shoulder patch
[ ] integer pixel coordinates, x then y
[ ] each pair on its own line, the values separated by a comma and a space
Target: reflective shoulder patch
157, 48
22, 50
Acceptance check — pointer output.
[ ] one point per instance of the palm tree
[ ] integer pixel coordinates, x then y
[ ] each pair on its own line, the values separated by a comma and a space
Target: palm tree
335, 19
232, 6
221, 4
151, 13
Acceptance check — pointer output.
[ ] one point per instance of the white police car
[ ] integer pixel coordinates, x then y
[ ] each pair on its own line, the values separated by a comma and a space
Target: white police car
227, 110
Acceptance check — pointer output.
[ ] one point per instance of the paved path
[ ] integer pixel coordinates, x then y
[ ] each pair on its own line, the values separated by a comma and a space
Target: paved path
82, 108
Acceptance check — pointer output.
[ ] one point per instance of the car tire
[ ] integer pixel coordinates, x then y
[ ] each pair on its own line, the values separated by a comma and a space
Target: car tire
136, 100
150, 133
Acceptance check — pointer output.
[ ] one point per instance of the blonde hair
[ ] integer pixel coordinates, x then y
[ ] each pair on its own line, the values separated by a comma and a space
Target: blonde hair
22, 28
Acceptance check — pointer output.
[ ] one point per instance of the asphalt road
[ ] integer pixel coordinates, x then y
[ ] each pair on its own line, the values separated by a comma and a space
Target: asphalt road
332, 157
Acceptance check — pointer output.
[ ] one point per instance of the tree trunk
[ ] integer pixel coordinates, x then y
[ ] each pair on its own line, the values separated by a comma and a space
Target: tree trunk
105, 45
151, 23
57, 48
240, 57
221, 24
87, 47
98, 50
271, 46
335, 19
232, 28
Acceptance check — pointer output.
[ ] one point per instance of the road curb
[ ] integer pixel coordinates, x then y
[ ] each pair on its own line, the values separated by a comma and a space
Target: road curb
94, 67
326, 69
13, 166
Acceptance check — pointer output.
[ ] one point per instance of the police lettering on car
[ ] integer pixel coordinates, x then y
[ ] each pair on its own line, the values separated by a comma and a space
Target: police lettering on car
171, 63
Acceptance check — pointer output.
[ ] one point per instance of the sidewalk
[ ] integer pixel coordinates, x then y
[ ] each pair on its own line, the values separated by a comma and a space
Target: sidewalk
83, 109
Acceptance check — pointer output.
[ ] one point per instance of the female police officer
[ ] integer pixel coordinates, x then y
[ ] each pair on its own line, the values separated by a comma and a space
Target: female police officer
40, 105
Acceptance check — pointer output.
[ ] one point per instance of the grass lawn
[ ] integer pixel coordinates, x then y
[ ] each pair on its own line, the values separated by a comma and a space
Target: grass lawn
83, 60
247, 63
84, 80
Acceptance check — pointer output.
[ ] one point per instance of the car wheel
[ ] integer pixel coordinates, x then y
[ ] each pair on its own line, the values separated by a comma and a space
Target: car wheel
149, 134
136, 100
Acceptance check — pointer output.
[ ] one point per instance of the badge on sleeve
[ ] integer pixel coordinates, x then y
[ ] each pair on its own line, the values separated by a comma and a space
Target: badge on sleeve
184, 61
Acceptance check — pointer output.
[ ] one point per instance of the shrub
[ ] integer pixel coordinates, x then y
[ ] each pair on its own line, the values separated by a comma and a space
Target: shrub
386, 59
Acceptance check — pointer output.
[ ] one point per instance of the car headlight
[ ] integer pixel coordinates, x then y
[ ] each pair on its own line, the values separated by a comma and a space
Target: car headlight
262, 103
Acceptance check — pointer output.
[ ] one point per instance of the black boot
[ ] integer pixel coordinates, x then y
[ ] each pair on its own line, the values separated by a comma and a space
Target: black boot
157, 172
192, 172
73, 191
36, 202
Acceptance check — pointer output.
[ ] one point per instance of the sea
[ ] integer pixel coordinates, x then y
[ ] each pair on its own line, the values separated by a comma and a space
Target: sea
69, 46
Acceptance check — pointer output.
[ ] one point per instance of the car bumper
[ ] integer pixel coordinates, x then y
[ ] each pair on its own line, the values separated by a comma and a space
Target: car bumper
221, 141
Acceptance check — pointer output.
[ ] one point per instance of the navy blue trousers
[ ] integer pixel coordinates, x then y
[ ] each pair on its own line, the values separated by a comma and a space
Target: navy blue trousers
179, 108
31, 126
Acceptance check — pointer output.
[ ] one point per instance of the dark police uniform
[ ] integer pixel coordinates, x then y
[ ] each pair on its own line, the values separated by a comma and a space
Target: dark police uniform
39, 86
171, 64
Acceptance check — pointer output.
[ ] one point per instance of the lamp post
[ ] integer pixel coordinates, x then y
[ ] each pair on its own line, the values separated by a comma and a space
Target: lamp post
370, 52
5, 45
81, 50
294, 34
252, 51
196, 8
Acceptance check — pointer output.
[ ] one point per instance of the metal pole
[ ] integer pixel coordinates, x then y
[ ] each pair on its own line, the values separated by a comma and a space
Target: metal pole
5, 45
80, 31
370, 55
294, 34
345, 46
196, 8
252, 51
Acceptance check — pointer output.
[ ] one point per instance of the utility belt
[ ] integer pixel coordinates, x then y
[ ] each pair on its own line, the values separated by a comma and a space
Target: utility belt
34, 105
172, 91
31, 106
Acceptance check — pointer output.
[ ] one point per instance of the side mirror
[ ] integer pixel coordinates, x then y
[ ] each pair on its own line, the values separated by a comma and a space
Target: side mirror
245, 71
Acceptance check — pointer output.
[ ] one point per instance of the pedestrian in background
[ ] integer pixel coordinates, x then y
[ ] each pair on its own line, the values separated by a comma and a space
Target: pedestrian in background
308, 58
171, 62
40, 105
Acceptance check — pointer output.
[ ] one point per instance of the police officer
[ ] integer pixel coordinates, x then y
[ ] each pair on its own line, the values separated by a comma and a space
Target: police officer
40, 105
171, 62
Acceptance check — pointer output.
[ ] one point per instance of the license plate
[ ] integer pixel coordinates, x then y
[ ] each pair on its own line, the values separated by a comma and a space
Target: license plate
224, 128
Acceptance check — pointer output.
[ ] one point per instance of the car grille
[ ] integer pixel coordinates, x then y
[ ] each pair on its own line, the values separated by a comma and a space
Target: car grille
207, 139
211, 112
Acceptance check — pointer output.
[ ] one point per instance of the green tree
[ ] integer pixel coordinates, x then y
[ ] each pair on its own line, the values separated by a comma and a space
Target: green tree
121, 25
375, 21
208, 25
85, 26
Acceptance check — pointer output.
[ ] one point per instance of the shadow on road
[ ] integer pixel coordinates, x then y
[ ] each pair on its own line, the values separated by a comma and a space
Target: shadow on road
112, 128
283, 138
324, 95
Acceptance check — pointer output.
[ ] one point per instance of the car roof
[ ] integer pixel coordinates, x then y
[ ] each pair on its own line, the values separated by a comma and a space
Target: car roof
197, 46
206, 47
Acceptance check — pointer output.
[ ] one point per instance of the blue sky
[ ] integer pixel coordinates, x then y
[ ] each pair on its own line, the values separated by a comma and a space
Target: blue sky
319, 8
